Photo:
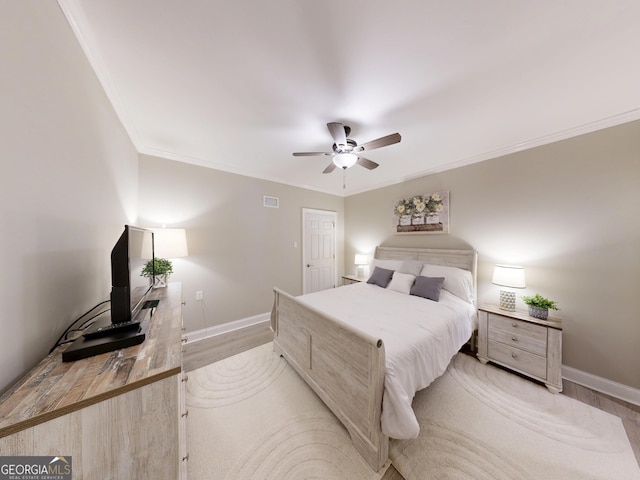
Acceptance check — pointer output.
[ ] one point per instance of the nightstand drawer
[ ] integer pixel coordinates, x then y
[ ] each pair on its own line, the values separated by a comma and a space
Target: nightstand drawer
519, 338
537, 333
518, 359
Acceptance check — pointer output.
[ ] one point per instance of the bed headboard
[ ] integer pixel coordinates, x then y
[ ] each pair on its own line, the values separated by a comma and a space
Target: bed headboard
465, 259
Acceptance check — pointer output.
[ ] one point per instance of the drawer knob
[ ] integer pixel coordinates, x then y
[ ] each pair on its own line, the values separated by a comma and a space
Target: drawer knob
514, 325
514, 338
513, 355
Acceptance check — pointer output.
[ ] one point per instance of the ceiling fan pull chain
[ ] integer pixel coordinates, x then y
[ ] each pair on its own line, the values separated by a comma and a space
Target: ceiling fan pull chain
344, 179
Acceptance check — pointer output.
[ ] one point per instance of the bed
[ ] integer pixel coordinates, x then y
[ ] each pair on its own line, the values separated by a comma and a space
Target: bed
365, 350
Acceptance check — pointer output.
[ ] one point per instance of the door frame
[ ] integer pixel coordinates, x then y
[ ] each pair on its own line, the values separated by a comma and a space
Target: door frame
334, 214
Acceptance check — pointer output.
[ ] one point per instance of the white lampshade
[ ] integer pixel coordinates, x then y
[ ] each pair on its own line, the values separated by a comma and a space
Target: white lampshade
361, 259
345, 160
170, 242
508, 276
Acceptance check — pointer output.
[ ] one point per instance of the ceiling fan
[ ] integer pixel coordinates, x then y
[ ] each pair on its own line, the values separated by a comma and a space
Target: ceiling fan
346, 152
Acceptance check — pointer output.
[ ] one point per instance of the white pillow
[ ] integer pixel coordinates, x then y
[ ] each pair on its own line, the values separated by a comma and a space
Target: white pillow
401, 282
456, 280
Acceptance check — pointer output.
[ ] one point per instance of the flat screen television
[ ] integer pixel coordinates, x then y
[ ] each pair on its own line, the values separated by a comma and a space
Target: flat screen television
129, 289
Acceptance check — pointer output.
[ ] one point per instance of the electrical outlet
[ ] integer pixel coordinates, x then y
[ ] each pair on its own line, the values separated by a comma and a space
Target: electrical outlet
199, 295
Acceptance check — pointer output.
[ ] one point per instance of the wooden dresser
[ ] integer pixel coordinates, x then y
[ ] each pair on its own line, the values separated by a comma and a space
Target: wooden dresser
522, 343
118, 415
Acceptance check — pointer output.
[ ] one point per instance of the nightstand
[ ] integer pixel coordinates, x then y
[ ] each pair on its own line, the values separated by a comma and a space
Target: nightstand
349, 279
522, 343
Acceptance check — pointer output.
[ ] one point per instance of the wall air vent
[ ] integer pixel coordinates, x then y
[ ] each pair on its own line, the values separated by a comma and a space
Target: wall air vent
271, 202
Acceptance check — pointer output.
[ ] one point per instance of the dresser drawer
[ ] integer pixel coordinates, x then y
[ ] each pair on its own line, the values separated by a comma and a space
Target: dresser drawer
518, 359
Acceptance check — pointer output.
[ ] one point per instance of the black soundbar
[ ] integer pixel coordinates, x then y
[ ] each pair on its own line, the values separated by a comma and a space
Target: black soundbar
88, 347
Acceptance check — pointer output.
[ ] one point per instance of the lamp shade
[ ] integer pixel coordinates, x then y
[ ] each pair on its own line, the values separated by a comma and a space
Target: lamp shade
170, 242
361, 259
345, 160
508, 276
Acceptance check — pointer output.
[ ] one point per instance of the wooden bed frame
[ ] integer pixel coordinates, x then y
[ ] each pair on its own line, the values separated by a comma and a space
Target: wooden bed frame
346, 367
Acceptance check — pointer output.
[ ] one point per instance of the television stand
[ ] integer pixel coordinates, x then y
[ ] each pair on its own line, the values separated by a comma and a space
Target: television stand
117, 415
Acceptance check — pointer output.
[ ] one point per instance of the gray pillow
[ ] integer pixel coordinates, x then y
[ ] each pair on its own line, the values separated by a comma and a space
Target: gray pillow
380, 277
428, 287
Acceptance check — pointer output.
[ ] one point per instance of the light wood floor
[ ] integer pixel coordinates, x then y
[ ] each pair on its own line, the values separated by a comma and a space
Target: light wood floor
204, 352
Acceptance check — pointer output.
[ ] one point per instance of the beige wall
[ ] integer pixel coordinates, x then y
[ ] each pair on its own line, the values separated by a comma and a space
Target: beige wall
238, 249
568, 212
68, 184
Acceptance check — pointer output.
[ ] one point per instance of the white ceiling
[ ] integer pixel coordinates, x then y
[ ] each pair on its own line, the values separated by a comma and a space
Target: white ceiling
240, 85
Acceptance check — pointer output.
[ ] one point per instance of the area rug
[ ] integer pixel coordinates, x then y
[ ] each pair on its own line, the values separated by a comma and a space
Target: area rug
252, 417
481, 422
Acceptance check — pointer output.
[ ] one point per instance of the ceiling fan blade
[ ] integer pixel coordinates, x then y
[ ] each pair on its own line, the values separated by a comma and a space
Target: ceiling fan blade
379, 142
366, 163
330, 168
337, 133
310, 154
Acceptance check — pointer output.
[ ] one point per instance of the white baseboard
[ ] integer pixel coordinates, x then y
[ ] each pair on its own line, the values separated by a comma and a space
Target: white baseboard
198, 335
608, 387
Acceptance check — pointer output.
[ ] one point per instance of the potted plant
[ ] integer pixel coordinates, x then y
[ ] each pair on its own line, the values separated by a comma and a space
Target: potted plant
539, 306
159, 269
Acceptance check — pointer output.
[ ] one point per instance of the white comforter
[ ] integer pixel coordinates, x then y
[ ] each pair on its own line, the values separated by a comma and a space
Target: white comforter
420, 337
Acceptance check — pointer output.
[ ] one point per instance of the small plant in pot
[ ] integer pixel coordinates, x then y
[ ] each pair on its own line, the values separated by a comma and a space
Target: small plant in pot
539, 306
159, 269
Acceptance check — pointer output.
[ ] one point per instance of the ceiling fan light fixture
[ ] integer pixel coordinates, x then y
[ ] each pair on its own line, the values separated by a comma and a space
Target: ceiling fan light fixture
345, 160
346, 151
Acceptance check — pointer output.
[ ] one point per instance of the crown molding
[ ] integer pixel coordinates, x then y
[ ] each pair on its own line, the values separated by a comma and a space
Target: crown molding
97, 64
612, 121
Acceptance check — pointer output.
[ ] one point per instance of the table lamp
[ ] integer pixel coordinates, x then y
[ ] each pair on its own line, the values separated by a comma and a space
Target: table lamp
361, 261
170, 242
510, 277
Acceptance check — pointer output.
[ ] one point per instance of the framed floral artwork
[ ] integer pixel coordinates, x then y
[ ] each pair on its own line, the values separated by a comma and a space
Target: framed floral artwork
425, 213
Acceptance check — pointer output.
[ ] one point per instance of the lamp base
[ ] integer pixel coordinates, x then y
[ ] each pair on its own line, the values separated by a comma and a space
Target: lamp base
507, 300
362, 271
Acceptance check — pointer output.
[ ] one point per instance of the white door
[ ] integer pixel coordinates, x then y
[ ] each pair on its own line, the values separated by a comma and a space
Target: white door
319, 247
